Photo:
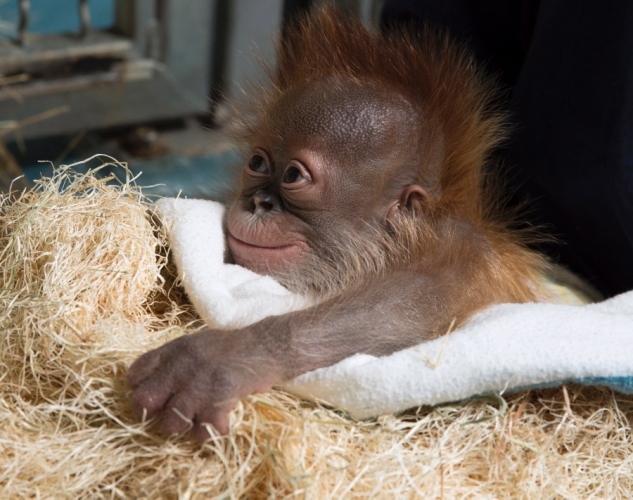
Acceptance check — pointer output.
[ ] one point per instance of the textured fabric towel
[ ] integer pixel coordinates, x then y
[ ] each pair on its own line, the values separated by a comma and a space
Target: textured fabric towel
505, 347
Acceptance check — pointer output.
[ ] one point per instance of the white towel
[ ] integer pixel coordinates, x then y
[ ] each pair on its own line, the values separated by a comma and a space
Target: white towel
508, 346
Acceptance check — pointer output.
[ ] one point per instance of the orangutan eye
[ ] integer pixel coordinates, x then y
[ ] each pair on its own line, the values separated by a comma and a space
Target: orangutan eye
258, 164
292, 175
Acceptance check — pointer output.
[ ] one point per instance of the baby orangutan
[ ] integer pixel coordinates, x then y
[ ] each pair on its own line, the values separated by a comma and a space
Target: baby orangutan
363, 186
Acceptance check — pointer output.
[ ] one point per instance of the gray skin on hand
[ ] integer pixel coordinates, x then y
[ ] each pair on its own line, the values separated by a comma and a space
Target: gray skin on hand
197, 380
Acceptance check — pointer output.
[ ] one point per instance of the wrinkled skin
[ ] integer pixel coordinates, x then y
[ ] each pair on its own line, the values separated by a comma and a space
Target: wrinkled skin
330, 160
344, 151
193, 381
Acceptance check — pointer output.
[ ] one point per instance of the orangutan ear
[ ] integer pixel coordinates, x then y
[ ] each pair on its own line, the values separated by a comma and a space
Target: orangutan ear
411, 200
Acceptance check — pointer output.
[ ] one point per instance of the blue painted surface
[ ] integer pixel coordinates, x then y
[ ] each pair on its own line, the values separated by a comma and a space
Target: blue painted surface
620, 384
192, 176
207, 175
55, 16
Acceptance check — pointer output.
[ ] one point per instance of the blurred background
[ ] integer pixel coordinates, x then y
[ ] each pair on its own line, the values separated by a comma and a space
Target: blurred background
144, 81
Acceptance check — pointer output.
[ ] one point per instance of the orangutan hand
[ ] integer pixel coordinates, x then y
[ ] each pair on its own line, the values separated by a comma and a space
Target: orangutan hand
198, 379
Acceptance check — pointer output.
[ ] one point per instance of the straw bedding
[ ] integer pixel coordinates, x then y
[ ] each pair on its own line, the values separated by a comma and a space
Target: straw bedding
87, 286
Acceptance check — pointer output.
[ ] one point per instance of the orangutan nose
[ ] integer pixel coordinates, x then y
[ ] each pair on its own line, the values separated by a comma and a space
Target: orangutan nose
263, 201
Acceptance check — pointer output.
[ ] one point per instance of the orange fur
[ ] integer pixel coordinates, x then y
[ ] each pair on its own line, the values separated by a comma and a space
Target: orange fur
440, 79
458, 117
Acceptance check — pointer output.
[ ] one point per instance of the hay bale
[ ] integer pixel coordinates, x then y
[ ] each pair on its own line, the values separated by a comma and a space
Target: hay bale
84, 292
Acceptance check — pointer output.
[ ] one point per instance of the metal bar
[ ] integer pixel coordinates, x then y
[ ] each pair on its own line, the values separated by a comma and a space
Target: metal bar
23, 23
160, 34
84, 17
136, 19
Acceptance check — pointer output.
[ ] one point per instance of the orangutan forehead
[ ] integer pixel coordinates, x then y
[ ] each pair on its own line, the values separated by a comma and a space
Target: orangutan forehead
345, 114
